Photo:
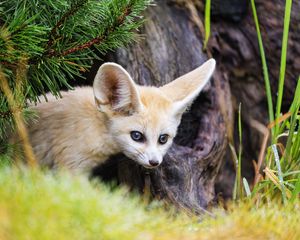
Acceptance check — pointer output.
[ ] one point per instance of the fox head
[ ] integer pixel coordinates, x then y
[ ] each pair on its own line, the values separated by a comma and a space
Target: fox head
143, 120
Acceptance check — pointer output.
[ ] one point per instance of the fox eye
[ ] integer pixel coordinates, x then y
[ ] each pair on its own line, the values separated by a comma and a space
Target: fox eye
163, 138
137, 136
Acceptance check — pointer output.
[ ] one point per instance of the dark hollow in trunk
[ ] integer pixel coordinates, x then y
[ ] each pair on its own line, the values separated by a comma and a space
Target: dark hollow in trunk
172, 46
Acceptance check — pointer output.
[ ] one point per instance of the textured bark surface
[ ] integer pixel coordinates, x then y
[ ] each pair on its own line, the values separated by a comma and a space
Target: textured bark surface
172, 46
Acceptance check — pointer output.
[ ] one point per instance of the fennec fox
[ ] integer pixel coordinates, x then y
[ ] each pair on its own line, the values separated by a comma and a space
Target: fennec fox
88, 125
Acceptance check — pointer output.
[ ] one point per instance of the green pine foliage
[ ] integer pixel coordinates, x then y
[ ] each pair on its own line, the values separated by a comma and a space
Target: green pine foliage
44, 43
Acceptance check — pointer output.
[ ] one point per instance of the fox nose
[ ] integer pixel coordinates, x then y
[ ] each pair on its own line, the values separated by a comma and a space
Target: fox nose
154, 163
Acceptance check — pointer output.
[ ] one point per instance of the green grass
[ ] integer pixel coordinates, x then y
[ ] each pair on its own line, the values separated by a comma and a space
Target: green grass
207, 22
264, 63
36, 205
284, 49
282, 161
43, 205
238, 188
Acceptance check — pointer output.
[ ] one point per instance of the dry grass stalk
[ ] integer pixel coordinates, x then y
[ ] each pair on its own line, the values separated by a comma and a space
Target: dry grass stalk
17, 114
265, 130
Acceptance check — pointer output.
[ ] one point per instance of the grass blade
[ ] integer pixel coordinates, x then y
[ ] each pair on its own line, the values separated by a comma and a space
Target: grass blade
239, 173
264, 64
296, 191
277, 160
246, 187
236, 162
207, 22
287, 17
238, 188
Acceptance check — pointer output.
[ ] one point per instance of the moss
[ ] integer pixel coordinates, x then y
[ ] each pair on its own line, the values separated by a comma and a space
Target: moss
41, 205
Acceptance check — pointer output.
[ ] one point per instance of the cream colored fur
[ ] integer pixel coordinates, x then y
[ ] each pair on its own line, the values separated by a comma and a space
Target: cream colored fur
87, 125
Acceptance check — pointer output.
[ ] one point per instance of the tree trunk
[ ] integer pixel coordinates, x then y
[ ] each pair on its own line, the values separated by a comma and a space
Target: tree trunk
171, 47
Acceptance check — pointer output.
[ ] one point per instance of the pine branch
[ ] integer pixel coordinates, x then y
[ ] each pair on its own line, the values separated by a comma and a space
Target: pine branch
53, 32
8, 64
59, 42
95, 41
9, 113
86, 45
6, 114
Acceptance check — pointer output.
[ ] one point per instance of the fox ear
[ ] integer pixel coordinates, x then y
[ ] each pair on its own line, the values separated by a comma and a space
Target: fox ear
183, 90
114, 90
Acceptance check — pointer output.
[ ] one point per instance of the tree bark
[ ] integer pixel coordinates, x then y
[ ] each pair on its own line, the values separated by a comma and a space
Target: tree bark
171, 47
